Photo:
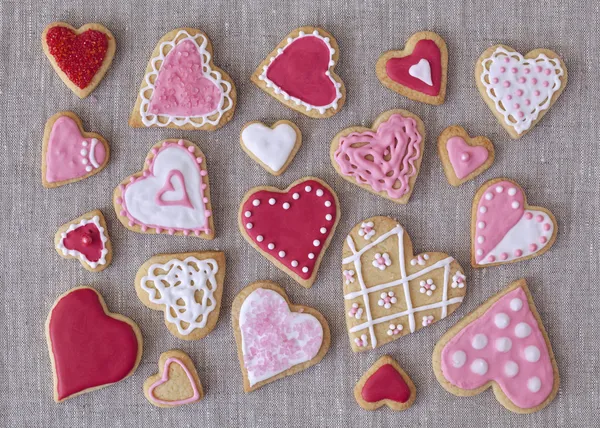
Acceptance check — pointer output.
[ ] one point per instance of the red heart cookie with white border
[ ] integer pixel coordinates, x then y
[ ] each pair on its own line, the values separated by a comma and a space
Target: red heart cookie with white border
292, 228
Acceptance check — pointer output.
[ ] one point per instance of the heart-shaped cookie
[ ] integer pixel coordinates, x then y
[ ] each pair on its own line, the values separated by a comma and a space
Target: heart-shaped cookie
419, 71
275, 338
502, 345
292, 228
170, 195
272, 147
86, 239
385, 384
299, 73
463, 157
519, 89
89, 346
390, 292
182, 87
177, 382
504, 229
70, 154
384, 159
80, 56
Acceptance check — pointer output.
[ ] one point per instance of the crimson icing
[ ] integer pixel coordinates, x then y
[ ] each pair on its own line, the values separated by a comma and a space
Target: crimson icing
386, 384
398, 69
86, 240
288, 225
89, 348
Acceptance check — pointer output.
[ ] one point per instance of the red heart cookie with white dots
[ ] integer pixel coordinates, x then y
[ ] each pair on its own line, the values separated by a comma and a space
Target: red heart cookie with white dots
292, 228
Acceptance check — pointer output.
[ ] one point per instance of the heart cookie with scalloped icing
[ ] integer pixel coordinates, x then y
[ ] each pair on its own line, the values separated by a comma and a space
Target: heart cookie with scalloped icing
519, 89
389, 291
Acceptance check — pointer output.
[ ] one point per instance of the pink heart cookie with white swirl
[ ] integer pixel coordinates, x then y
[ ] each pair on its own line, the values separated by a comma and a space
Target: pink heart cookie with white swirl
501, 345
504, 228
519, 89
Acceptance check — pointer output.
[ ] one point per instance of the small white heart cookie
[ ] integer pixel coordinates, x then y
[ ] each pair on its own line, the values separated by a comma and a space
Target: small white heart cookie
273, 147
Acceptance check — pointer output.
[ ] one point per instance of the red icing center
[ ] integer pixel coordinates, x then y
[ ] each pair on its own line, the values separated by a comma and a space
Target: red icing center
386, 383
90, 348
293, 232
79, 56
300, 71
398, 68
87, 240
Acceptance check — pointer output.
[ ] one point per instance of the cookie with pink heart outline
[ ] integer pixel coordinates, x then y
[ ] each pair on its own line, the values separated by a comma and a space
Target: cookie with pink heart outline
182, 87
69, 153
170, 195
504, 228
274, 337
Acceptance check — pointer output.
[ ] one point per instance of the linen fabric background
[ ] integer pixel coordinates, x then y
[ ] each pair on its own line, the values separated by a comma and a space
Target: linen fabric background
556, 164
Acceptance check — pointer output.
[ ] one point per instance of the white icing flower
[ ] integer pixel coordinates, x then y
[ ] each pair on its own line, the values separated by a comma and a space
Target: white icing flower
362, 341
420, 260
355, 311
427, 287
382, 261
387, 299
458, 280
366, 230
349, 275
427, 320
394, 329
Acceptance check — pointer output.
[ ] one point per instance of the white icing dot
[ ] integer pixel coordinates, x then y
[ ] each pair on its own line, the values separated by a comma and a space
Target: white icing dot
256, 202
271, 246
481, 224
323, 230
522, 330
88, 168
511, 369
308, 188
282, 254
316, 242
328, 217
489, 196
304, 269
311, 256
479, 252
480, 239
499, 189
320, 192
516, 304
479, 341
501, 320
515, 205
482, 209
84, 161
294, 263
247, 213
459, 358
286, 206
512, 191
272, 201
84, 143
249, 225
532, 354
327, 204
503, 344
83, 152
296, 196
534, 384
259, 238
479, 366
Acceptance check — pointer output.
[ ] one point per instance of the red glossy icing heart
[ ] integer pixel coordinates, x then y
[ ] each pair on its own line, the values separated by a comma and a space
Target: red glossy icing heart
89, 347
386, 384
398, 69
87, 240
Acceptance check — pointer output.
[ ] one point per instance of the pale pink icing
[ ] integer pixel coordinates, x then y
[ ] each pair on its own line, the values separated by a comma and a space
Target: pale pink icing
520, 387
165, 378
392, 152
181, 88
465, 158
68, 152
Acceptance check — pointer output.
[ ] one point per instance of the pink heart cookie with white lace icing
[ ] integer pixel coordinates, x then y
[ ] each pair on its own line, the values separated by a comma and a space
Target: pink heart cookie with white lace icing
182, 87
519, 89
70, 154
275, 338
170, 195
502, 345
504, 228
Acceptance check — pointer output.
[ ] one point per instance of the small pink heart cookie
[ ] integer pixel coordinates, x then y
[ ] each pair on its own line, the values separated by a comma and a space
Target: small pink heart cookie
70, 154
463, 157
504, 229
501, 345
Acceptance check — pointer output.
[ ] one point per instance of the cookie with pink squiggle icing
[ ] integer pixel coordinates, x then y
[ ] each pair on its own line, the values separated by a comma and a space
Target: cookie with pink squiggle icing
384, 159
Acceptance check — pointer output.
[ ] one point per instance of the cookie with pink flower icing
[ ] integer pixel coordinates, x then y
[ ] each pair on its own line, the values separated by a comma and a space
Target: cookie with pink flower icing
176, 383
69, 153
501, 345
182, 87
170, 195
274, 337
504, 228
519, 89
384, 159
464, 157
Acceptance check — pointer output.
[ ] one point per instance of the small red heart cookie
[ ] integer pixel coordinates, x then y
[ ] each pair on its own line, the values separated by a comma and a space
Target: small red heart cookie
89, 346
80, 56
463, 157
419, 71
385, 384
292, 228
299, 73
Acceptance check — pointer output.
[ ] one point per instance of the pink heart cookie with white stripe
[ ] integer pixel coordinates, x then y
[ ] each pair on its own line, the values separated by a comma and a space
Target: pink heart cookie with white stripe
502, 345
504, 228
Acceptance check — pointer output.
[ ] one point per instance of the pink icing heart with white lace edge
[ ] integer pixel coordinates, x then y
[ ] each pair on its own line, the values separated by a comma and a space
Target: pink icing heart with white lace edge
503, 345
504, 228
170, 195
275, 338
519, 89
69, 153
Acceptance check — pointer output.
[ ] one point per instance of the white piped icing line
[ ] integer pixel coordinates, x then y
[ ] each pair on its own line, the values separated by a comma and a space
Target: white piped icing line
284, 95
225, 103
74, 253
